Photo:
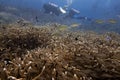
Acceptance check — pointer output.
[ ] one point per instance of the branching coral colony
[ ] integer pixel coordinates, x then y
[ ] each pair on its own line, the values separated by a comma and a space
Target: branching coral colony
28, 53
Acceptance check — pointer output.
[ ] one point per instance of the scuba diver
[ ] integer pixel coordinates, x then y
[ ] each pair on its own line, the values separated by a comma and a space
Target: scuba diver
72, 13
52, 8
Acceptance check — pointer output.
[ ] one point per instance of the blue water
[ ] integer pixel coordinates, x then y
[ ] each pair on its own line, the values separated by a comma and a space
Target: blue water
91, 8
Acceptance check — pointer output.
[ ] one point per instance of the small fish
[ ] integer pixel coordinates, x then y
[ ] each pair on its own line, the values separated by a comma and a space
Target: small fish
75, 25
63, 27
99, 21
113, 21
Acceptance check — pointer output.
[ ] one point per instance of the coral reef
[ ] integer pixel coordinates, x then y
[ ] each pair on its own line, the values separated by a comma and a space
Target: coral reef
47, 53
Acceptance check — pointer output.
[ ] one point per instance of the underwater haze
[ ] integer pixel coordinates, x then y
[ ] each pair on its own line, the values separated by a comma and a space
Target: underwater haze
59, 39
94, 8
103, 13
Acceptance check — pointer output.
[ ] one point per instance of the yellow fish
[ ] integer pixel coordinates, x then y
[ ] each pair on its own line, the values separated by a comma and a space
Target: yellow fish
75, 25
99, 21
113, 21
63, 27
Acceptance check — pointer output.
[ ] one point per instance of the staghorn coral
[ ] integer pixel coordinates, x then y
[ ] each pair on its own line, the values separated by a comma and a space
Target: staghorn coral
19, 40
46, 53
